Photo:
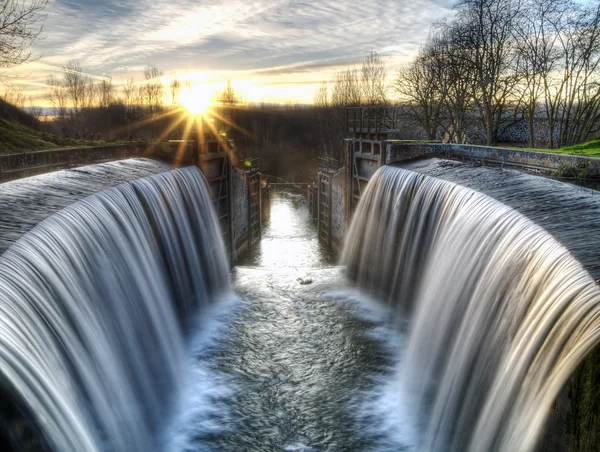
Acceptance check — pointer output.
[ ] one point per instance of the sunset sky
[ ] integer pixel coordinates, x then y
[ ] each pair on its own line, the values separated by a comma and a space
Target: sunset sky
273, 51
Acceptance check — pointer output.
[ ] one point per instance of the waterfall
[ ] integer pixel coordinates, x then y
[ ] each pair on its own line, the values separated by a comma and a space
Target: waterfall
498, 313
95, 304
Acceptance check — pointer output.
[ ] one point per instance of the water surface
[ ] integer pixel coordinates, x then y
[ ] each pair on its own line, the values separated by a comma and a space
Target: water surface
295, 356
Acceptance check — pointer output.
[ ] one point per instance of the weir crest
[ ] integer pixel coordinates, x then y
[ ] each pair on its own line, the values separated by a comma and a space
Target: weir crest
498, 313
96, 304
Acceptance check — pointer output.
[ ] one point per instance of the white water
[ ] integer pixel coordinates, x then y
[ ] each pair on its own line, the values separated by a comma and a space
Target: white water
96, 303
98, 300
499, 313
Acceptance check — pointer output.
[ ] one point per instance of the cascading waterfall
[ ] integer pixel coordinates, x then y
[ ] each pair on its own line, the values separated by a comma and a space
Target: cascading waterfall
95, 303
499, 313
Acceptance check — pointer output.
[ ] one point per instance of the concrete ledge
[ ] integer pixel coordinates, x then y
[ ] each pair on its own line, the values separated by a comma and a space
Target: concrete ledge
545, 162
16, 166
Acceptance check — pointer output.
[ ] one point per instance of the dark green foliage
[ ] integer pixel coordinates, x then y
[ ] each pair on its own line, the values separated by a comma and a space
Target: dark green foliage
584, 393
572, 171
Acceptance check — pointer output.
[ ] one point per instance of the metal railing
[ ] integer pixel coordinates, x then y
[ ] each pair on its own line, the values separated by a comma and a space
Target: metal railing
373, 120
329, 165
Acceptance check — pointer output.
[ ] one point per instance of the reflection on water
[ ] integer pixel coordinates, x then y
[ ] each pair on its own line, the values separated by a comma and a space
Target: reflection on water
290, 237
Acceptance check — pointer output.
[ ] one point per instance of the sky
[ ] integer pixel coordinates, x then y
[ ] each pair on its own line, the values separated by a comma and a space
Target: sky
272, 50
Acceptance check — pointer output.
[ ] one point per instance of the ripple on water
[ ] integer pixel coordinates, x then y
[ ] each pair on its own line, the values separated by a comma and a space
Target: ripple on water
299, 362
289, 367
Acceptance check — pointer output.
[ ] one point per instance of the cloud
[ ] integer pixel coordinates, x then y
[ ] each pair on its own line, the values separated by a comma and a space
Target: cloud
266, 38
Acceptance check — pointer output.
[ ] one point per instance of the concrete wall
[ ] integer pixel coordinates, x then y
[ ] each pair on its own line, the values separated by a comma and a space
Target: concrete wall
240, 211
17, 166
543, 162
338, 209
546, 162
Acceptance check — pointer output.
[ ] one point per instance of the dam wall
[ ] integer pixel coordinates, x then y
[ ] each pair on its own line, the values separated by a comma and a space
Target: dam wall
236, 193
364, 156
17, 166
568, 212
547, 163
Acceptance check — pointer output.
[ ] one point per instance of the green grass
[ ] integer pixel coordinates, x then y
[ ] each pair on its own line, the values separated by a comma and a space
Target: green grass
589, 149
16, 138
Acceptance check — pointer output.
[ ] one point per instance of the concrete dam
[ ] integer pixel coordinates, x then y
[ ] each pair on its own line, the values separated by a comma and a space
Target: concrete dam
148, 307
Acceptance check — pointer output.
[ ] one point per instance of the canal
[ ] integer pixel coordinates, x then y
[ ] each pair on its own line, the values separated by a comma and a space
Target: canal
293, 359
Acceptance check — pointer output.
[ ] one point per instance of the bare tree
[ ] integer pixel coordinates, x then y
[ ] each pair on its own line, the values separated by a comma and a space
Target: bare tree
75, 82
106, 92
419, 89
321, 98
175, 91
577, 92
34, 110
537, 56
129, 89
21, 23
153, 89
373, 79
91, 94
14, 96
346, 89
484, 36
228, 95
57, 96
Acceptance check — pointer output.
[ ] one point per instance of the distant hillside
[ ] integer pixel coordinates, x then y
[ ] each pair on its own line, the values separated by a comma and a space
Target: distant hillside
22, 132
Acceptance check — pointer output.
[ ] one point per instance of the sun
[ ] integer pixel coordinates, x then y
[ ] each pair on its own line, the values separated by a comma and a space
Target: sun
196, 100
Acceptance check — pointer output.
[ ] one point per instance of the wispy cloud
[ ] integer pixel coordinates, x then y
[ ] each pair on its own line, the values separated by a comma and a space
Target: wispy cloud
262, 38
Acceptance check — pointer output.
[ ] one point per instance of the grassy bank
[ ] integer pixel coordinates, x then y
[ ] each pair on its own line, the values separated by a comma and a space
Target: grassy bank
589, 149
16, 138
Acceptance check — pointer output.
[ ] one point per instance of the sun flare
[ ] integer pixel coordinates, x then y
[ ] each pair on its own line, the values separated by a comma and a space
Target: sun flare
196, 100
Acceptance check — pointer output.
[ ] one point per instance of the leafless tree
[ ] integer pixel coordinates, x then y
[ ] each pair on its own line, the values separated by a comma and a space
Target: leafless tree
373, 79
175, 91
419, 90
106, 92
34, 110
228, 95
346, 89
483, 35
57, 97
129, 89
21, 23
14, 96
537, 56
153, 89
576, 92
321, 98
75, 82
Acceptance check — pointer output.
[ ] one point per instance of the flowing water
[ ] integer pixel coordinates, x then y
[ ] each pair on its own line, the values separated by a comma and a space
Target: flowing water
295, 357
499, 313
569, 212
120, 329
96, 304
26, 202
